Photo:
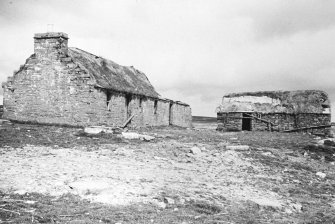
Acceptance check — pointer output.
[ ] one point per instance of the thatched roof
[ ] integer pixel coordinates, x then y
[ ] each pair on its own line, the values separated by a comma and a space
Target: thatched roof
300, 101
109, 75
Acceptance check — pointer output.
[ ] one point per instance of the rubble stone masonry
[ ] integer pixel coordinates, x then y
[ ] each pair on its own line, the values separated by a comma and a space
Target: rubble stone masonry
51, 88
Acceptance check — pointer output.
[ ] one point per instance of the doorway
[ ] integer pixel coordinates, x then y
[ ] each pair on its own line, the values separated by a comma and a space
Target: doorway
246, 122
128, 109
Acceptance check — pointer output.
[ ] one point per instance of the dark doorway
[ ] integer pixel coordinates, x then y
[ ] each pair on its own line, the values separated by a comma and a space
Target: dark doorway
246, 122
128, 100
155, 106
109, 99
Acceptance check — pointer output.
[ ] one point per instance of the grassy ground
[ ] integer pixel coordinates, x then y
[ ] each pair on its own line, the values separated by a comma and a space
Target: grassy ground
288, 168
200, 122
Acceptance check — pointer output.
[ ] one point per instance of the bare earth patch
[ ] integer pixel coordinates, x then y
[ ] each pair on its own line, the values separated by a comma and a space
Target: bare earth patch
182, 176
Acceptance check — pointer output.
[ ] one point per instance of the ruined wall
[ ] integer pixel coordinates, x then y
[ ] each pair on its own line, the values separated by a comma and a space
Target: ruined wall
282, 121
180, 115
157, 112
52, 88
229, 121
56, 92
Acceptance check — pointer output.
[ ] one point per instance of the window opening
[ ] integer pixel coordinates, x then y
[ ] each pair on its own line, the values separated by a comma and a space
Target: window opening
128, 100
155, 107
170, 113
109, 99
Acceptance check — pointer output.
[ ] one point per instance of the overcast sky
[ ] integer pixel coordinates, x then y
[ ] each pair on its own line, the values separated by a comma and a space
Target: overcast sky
192, 51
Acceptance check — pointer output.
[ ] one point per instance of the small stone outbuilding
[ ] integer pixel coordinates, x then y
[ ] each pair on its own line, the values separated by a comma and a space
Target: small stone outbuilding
69, 86
285, 111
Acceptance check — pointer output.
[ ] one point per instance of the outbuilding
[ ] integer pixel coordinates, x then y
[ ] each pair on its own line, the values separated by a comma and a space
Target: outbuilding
284, 111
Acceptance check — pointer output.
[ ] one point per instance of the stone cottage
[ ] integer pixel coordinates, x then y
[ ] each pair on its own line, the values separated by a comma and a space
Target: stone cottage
285, 111
69, 86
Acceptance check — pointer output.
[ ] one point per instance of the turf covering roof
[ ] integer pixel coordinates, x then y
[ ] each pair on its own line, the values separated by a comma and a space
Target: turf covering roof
110, 75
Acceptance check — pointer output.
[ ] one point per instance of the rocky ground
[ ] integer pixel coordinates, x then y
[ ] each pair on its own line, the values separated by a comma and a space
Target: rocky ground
54, 174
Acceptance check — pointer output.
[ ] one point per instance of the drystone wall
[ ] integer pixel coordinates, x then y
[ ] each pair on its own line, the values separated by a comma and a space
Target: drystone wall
232, 121
229, 121
180, 115
301, 101
51, 88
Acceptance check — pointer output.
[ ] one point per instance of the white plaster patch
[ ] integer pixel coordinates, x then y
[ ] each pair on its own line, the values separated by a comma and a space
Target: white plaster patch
252, 99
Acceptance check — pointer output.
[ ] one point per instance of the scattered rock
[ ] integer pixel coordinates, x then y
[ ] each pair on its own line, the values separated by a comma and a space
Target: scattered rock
182, 201
267, 202
223, 144
20, 192
161, 204
133, 135
168, 200
267, 154
288, 211
146, 138
29, 202
98, 129
329, 142
160, 158
321, 175
130, 135
296, 181
297, 207
195, 150
238, 147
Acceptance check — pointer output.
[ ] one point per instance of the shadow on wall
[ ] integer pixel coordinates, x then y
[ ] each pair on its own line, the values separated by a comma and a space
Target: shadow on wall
1, 111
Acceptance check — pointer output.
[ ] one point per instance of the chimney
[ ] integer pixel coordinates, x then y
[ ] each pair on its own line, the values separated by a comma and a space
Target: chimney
50, 45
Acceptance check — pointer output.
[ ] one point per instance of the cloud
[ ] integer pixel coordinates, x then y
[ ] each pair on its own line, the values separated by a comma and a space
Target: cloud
194, 51
281, 18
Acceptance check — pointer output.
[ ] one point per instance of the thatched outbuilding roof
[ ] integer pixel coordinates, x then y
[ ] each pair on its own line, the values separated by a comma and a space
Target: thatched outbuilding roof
300, 101
110, 75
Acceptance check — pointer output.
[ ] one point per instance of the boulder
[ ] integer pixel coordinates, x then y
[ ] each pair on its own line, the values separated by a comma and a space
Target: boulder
133, 135
321, 175
168, 200
195, 150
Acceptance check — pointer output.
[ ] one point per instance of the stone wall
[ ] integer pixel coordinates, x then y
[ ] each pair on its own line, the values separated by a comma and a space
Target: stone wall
181, 115
232, 121
229, 121
51, 88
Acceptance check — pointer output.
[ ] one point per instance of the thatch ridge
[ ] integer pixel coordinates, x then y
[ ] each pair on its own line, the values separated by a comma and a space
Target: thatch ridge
110, 75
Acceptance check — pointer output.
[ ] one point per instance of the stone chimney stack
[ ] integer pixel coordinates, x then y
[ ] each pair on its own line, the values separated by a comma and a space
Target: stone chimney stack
50, 45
